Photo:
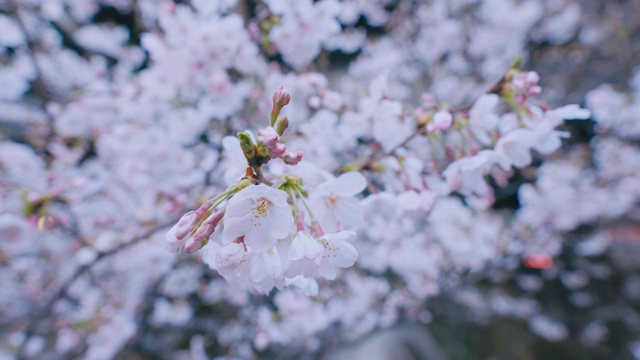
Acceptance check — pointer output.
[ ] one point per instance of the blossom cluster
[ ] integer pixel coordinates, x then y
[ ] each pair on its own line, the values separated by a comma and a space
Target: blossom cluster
274, 235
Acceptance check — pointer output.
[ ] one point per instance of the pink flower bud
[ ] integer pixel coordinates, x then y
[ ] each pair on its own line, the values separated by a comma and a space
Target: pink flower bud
204, 232
532, 78
281, 97
200, 239
518, 83
268, 137
292, 158
204, 208
171, 241
185, 224
442, 120
278, 150
534, 91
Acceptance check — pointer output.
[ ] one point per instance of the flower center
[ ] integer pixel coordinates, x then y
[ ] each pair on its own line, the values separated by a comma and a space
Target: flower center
259, 211
332, 200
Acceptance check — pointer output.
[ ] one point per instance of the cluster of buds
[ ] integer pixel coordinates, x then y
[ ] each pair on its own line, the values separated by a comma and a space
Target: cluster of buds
433, 118
525, 85
516, 86
269, 145
194, 229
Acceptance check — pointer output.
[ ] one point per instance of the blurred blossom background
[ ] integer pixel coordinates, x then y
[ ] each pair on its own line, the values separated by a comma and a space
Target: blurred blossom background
498, 220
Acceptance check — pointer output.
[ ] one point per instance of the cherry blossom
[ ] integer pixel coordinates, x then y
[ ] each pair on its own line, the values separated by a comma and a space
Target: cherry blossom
333, 202
260, 214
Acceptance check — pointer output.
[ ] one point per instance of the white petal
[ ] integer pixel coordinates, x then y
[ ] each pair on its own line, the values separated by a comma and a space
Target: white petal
304, 246
345, 256
281, 221
348, 211
258, 239
349, 184
327, 270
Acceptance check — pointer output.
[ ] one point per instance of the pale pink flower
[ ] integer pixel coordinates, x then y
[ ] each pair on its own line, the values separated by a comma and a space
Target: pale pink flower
516, 146
259, 213
337, 253
334, 202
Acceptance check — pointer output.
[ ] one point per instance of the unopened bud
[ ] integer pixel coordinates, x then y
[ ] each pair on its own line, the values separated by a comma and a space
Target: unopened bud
246, 144
532, 78
442, 120
204, 232
518, 83
268, 137
278, 150
534, 91
171, 242
292, 158
185, 224
204, 208
281, 97
282, 125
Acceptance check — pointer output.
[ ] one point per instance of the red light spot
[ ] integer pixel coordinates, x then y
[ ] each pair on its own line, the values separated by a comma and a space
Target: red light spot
538, 261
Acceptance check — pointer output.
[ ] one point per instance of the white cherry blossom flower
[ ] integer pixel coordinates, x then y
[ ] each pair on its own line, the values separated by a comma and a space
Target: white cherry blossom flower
334, 202
337, 253
516, 146
259, 213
